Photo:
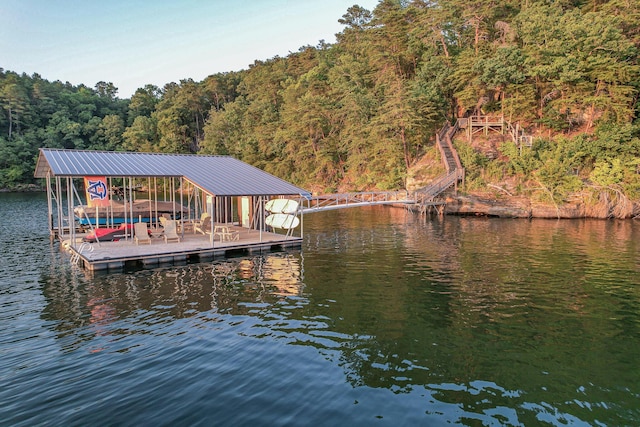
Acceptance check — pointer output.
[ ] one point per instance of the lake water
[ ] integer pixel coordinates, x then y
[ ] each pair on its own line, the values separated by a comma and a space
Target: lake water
382, 318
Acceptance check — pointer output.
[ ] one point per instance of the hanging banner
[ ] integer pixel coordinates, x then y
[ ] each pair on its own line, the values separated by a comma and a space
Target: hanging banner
96, 188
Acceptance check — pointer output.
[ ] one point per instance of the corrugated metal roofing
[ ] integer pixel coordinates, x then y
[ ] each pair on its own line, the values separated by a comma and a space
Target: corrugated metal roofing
217, 175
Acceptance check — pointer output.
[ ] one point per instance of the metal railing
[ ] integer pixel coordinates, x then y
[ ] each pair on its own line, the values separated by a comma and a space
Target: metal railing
424, 195
345, 200
428, 193
75, 256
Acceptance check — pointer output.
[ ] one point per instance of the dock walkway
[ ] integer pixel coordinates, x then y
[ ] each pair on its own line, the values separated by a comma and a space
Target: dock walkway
423, 200
118, 254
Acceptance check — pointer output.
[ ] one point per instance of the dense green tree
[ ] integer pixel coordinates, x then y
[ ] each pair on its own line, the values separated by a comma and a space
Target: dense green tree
357, 114
38, 113
108, 135
357, 20
581, 63
224, 131
311, 122
142, 135
15, 102
180, 116
221, 88
143, 102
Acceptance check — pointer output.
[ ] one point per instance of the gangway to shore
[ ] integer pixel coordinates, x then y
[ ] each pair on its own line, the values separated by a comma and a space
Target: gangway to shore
327, 202
421, 200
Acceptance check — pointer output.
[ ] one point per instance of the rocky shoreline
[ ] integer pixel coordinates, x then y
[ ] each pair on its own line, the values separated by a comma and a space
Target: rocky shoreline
522, 207
499, 207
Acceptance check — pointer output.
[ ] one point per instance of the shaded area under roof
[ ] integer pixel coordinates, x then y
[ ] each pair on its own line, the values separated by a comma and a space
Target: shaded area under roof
217, 175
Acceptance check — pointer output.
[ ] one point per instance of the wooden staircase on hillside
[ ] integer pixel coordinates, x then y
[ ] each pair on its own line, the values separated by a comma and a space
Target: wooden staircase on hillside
425, 197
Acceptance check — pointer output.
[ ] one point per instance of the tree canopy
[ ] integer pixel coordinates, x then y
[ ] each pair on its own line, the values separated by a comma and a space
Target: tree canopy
359, 113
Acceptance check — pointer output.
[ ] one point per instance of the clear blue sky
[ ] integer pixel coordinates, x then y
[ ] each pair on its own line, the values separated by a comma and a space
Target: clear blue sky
134, 42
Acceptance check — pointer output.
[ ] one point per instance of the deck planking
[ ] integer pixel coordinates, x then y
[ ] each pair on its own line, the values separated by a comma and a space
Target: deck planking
115, 255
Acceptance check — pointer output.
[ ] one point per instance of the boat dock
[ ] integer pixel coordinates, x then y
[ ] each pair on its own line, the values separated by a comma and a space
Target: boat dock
258, 211
171, 208
191, 247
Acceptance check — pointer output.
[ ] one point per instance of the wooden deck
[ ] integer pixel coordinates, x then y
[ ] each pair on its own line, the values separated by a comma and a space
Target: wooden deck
116, 255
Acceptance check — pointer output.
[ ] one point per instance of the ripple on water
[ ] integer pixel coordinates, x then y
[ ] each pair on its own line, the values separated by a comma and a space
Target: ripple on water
382, 317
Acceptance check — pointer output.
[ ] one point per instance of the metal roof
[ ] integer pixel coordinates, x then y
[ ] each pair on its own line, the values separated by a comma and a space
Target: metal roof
217, 175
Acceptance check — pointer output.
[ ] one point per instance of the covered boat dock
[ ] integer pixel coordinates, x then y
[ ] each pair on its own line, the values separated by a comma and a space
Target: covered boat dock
217, 205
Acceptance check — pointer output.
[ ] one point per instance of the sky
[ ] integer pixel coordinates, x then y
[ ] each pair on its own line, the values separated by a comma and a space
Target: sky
131, 43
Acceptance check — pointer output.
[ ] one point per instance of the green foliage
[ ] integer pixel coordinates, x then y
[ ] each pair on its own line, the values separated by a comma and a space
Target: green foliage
582, 63
614, 140
358, 114
474, 164
504, 67
142, 135
607, 173
37, 113
554, 175
522, 161
15, 162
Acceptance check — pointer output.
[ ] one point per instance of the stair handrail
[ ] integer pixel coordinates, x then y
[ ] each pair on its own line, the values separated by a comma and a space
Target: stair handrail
444, 138
437, 187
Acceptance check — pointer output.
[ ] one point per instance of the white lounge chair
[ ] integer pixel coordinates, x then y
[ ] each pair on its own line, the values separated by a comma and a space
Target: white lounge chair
170, 233
141, 233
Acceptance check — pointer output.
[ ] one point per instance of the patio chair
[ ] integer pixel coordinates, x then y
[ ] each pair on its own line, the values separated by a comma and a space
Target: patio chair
204, 225
170, 234
225, 233
141, 233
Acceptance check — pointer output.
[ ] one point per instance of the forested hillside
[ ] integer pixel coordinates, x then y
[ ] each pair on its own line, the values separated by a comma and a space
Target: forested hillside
357, 114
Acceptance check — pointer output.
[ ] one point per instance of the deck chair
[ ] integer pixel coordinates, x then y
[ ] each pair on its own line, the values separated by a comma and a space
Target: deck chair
170, 234
204, 225
141, 233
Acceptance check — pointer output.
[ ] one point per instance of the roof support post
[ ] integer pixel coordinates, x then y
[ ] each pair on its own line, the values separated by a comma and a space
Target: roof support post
261, 215
70, 219
211, 211
59, 205
181, 205
301, 220
49, 205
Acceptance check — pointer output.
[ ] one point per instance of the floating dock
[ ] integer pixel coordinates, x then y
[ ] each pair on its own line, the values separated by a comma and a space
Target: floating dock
217, 205
192, 247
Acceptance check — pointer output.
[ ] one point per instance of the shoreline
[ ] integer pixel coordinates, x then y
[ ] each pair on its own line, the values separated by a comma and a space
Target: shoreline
522, 207
27, 188
485, 205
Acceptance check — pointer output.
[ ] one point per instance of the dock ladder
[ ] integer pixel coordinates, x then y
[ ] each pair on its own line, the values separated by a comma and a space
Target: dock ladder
75, 257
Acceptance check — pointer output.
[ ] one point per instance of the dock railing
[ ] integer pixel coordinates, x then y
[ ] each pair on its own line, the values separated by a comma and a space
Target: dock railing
423, 196
344, 200
428, 193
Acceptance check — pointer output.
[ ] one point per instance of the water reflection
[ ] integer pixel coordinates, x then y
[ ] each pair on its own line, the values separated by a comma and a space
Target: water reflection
84, 307
471, 321
537, 308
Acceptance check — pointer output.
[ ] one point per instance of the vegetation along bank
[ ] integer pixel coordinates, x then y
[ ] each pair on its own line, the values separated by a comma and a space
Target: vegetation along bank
361, 114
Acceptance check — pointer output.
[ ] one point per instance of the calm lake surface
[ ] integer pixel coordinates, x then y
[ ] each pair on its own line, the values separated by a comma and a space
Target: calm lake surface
383, 318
